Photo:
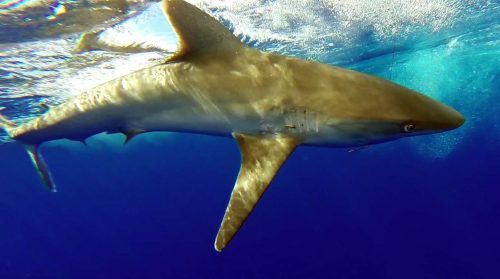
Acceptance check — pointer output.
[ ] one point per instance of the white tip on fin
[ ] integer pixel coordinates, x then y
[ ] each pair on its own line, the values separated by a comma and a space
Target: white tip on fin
41, 167
197, 31
262, 157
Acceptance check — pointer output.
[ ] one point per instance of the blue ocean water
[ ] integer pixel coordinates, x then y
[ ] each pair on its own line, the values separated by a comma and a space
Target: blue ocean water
425, 207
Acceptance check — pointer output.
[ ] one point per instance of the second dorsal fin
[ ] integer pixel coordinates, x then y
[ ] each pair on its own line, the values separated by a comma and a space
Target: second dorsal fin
198, 32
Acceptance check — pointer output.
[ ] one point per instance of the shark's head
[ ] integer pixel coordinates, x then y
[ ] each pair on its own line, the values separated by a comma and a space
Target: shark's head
395, 113
427, 116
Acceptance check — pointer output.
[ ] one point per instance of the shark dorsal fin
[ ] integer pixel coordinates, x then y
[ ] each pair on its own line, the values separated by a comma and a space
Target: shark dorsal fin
198, 32
261, 157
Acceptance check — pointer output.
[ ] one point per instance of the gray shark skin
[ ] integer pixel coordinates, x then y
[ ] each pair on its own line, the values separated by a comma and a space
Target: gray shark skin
269, 103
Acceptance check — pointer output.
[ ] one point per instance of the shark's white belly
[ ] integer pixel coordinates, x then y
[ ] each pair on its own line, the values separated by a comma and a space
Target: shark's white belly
183, 119
223, 121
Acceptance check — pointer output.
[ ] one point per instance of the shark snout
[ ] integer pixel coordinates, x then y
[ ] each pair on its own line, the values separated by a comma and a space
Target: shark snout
455, 119
448, 119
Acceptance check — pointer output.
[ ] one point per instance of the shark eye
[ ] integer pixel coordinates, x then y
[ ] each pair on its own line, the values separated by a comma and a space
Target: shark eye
408, 128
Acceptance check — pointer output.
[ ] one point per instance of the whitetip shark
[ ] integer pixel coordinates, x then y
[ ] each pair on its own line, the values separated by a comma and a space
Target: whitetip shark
269, 103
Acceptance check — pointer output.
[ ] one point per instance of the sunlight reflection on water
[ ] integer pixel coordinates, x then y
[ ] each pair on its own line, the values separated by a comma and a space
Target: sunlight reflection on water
428, 36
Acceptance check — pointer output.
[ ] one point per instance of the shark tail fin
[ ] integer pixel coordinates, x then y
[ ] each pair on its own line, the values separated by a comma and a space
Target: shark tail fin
6, 124
37, 159
41, 167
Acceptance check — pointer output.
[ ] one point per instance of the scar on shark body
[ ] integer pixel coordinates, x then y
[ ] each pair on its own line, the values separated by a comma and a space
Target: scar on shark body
269, 103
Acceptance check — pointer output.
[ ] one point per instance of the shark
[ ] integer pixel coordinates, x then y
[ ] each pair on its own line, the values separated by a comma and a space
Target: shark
269, 103
53, 18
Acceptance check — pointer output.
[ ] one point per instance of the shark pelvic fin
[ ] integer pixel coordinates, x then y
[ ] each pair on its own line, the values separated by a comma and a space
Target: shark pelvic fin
261, 158
131, 134
41, 167
198, 33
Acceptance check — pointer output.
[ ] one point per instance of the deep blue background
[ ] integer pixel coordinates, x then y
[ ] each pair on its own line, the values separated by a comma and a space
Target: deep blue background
425, 209
153, 209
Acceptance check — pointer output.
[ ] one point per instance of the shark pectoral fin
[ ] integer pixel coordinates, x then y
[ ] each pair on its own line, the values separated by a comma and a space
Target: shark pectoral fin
261, 158
41, 167
197, 32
